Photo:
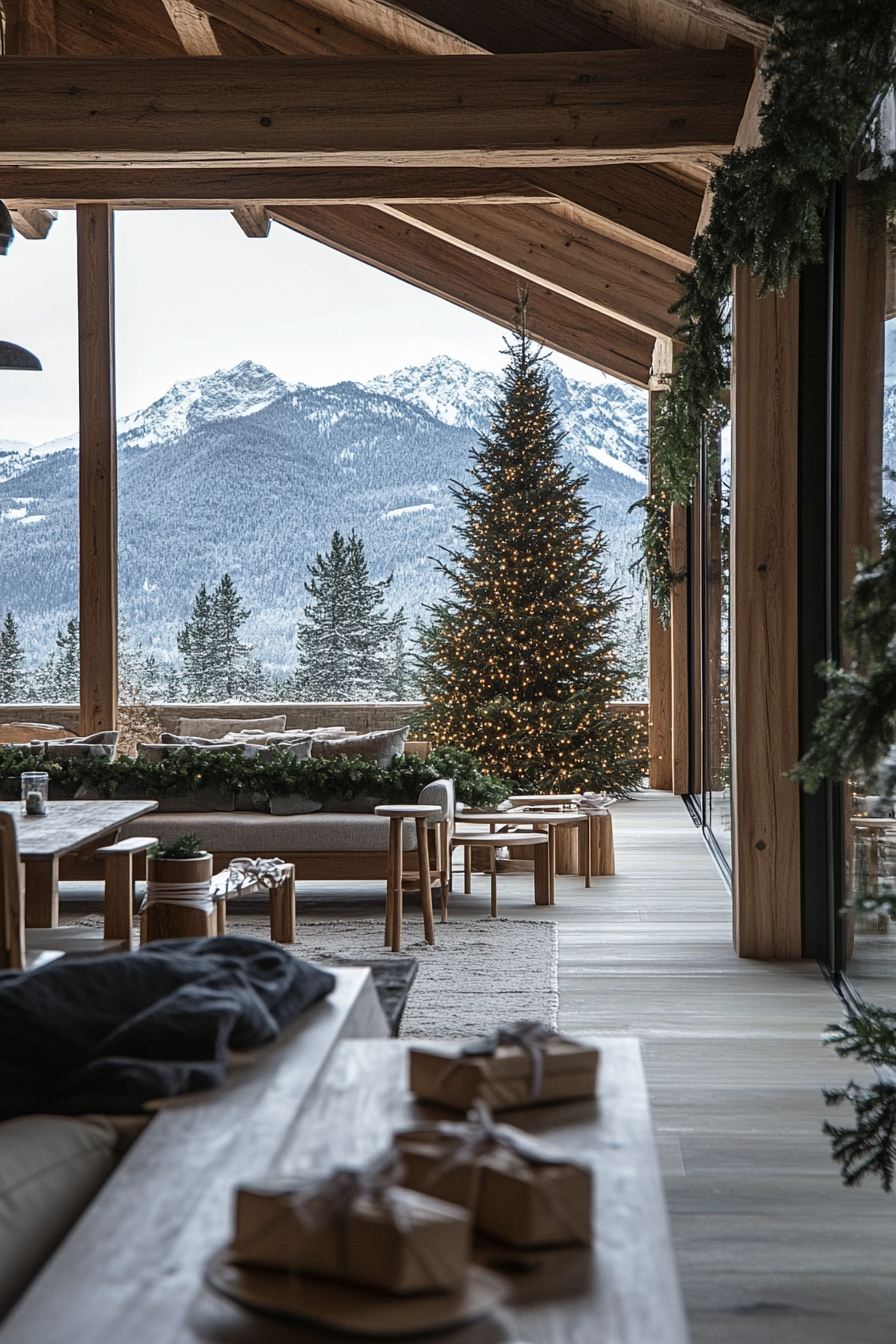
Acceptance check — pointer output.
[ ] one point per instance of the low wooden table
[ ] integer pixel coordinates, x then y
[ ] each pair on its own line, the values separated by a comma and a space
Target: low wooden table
68, 826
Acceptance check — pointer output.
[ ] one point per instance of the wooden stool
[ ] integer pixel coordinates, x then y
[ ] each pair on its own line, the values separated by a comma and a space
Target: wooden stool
118, 892
396, 879
544, 878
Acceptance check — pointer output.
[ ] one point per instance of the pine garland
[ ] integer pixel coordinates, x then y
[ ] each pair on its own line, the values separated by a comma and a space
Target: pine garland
827, 64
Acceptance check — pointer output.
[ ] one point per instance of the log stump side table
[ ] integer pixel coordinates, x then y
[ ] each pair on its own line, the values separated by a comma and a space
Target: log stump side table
396, 880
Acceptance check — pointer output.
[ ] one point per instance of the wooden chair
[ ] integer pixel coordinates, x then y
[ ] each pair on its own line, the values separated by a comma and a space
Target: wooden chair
12, 899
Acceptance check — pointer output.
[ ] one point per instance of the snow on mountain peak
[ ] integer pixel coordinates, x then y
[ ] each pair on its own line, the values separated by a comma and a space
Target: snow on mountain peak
444, 387
224, 395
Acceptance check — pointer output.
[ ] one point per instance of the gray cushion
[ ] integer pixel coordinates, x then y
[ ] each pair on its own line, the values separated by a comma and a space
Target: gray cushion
51, 1166
300, 747
377, 747
218, 727
202, 800
249, 833
361, 803
159, 751
292, 805
95, 744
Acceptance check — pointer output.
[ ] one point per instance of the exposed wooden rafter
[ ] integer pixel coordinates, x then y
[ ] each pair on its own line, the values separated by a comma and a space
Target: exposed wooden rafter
632, 203
292, 29
534, 243
224, 188
397, 27
32, 223
717, 14
253, 220
30, 28
193, 28
480, 286
486, 111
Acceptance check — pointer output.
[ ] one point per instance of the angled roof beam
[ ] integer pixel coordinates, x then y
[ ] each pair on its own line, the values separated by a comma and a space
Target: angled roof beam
31, 223
193, 28
30, 27
585, 267
629, 202
396, 27
730, 20
400, 111
292, 29
224, 188
477, 285
253, 220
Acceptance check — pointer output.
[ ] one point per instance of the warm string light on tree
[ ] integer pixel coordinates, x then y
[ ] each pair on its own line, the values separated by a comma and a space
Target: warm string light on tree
519, 663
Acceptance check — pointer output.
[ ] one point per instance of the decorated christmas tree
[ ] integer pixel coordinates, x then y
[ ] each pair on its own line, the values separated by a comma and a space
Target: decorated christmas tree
519, 663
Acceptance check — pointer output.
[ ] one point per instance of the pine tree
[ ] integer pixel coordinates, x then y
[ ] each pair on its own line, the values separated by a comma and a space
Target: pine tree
349, 646
12, 661
60, 677
196, 642
217, 664
519, 663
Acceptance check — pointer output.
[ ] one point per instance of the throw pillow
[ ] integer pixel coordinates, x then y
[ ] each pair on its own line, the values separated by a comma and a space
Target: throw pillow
216, 728
293, 805
51, 1166
377, 747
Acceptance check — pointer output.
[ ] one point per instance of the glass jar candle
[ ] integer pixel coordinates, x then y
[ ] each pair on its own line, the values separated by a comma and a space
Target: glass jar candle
35, 788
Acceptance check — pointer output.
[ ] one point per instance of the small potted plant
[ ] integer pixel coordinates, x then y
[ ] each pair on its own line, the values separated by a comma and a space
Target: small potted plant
178, 862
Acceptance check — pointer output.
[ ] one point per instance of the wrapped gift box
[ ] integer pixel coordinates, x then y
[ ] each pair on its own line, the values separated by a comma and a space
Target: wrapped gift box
399, 1241
517, 1191
506, 1076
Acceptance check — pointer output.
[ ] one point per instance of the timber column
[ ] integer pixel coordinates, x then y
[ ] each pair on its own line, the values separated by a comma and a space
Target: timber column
98, 470
764, 621
659, 682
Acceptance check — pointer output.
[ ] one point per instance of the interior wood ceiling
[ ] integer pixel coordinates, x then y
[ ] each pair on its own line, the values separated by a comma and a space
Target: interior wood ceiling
597, 243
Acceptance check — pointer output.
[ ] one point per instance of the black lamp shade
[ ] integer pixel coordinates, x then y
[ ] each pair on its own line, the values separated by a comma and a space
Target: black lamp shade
16, 357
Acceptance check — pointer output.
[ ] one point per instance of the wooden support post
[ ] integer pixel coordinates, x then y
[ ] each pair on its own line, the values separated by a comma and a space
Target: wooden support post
678, 640
98, 472
659, 685
764, 654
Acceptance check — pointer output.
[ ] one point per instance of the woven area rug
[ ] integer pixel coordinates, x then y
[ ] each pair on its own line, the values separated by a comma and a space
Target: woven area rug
481, 971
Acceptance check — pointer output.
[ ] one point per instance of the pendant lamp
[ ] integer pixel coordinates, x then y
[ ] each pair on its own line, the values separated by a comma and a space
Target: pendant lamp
13, 356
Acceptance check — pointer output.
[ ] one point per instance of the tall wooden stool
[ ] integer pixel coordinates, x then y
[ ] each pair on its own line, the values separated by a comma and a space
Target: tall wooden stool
492, 841
396, 879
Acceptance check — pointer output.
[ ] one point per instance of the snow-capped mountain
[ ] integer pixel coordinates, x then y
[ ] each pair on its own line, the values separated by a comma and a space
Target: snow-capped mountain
243, 472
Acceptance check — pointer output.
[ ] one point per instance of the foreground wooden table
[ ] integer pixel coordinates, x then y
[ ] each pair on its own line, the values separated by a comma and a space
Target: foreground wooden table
66, 827
132, 1269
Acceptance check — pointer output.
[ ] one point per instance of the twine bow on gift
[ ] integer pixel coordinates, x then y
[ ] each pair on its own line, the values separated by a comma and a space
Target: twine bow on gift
246, 872
533, 1037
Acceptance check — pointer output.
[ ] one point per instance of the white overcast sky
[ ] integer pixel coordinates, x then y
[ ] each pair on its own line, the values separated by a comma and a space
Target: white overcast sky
194, 294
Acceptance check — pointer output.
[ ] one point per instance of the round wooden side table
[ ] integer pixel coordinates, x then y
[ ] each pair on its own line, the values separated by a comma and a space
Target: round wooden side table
398, 813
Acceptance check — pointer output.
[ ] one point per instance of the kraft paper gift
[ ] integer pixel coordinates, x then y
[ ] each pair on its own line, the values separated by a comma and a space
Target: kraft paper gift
517, 1190
345, 1227
522, 1064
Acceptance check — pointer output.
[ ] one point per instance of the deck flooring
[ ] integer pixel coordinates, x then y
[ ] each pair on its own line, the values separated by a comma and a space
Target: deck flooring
771, 1247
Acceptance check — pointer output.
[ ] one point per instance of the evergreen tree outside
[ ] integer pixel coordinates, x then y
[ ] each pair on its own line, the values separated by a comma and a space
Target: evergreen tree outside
519, 663
217, 664
60, 678
196, 642
349, 646
12, 662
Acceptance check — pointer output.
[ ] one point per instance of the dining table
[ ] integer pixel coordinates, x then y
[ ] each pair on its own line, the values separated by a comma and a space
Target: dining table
66, 826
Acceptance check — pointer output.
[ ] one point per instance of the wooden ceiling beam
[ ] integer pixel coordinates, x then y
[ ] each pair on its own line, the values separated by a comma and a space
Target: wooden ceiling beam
193, 28
253, 220
224, 188
292, 29
403, 111
727, 18
397, 27
30, 28
31, 223
629, 202
409, 253
585, 267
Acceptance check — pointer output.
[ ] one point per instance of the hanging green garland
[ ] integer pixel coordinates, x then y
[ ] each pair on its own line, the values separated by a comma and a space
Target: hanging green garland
827, 63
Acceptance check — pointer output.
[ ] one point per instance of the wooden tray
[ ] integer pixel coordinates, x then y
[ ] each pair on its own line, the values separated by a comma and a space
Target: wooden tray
351, 1309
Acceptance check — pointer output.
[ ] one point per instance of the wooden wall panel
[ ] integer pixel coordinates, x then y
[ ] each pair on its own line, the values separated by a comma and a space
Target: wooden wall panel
679, 637
98, 472
764, 662
864, 314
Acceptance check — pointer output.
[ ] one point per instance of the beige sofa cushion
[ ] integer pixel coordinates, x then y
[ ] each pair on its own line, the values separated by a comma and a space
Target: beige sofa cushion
51, 1166
218, 727
253, 833
377, 747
